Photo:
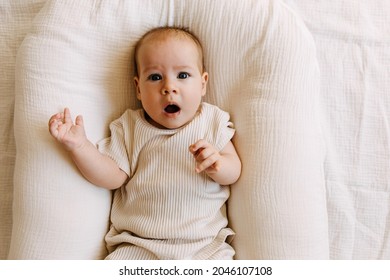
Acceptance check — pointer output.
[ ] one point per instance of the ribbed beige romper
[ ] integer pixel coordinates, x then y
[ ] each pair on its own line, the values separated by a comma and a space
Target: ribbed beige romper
167, 210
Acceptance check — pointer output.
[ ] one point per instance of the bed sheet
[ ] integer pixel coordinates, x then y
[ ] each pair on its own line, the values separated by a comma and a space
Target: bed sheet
353, 49
271, 93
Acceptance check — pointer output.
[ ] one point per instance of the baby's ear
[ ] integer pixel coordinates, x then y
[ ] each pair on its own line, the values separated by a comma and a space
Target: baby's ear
137, 90
205, 79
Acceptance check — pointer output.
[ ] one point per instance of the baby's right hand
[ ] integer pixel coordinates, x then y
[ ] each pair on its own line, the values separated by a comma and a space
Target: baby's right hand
62, 128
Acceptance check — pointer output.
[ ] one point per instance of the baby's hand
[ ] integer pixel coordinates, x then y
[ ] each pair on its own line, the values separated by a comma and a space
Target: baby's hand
206, 156
71, 135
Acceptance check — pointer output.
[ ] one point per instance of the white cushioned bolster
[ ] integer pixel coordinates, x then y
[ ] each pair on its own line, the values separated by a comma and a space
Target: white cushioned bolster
15, 21
263, 70
278, 208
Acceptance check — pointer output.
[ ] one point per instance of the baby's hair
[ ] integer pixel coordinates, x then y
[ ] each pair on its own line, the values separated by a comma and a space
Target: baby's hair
169, 30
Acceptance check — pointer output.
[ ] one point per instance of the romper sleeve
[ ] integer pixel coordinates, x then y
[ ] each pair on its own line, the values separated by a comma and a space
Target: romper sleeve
224, 128
116, 146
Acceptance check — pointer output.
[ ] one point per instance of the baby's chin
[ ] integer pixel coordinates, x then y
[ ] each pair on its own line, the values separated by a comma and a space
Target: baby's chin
173, 124
171, 119
170, 125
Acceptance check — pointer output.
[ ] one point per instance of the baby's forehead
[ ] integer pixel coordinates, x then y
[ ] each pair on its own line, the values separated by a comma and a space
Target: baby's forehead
160, 39
168, 33
166, 36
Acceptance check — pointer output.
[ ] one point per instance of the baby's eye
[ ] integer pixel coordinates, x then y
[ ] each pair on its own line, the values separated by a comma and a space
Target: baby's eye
183, 75
155, 77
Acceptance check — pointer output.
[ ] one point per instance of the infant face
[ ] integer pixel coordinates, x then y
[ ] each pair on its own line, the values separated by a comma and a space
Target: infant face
170, 84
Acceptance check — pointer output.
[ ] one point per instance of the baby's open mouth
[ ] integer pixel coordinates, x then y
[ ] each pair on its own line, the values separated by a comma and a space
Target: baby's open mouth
171, 109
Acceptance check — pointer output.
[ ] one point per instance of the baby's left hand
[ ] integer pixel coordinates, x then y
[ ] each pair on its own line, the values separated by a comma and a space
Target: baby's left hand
206, 156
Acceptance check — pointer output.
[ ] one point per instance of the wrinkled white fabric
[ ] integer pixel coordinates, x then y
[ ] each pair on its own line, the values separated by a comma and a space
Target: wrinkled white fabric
353, 49
263, 71
15, 23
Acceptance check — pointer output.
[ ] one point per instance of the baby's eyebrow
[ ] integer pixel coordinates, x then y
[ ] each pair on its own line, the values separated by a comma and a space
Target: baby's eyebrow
150, 69
184, 67
158, 69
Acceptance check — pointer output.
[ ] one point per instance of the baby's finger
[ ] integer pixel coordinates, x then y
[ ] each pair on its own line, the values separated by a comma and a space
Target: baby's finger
54, 118
67, 116
200, 144
210, 162
53, 127
79, 120
202, 154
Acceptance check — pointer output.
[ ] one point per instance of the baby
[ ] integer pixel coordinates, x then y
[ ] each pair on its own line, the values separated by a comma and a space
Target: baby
170, 162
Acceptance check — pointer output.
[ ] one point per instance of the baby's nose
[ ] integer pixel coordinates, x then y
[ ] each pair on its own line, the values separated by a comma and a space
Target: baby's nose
168, 88
167, 91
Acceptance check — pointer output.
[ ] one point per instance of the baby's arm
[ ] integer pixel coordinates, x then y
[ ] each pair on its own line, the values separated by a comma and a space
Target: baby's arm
223, 166
96, 167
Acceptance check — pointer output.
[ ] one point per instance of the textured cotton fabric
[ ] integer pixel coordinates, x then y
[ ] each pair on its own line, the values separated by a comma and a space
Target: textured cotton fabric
263, 70
166, 207
77, 53
353, 47
15, 22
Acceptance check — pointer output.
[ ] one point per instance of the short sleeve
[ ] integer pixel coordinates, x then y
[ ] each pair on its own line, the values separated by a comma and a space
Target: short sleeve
226, 132
115, 146
223, 127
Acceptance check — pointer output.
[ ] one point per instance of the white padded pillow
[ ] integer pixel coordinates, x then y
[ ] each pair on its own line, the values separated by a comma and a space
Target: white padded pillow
263, 70
15, 21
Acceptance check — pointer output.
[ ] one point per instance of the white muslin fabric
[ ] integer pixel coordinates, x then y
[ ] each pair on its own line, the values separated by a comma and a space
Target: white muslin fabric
353, 50
15, 23
263, 71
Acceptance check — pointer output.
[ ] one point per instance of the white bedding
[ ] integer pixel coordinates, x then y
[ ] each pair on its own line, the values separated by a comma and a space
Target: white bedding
353, 51
353, 46
15, 23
